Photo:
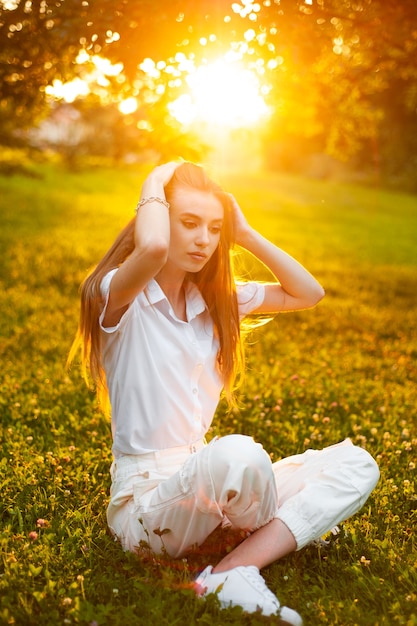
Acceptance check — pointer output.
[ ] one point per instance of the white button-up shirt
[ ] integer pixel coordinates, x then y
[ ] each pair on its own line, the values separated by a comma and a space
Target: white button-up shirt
161, 372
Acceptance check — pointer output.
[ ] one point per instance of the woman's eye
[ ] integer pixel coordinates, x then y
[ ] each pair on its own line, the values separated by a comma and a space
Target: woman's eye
215, 230
189, 224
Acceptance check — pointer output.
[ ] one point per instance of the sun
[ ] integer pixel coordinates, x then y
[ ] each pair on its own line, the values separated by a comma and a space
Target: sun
222, 94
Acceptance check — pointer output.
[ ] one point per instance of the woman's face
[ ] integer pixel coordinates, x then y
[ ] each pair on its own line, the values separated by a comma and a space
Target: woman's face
196, 219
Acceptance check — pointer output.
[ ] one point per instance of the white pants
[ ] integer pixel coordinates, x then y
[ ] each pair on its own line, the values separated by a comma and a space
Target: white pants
173, 499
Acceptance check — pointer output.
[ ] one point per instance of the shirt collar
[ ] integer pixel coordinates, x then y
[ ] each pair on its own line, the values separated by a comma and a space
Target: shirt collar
195, 303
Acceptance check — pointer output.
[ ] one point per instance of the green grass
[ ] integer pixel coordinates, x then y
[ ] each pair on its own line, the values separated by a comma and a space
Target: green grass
346, 368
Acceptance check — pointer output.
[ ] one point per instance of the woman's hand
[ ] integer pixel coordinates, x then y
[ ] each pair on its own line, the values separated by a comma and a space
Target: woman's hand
240, 223
159, 177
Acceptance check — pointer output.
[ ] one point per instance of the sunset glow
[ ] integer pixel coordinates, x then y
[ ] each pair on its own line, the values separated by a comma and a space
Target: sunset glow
69, 91
223, 94
93, 79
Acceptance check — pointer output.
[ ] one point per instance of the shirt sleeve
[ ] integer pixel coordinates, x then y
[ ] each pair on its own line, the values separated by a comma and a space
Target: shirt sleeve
249, 297
105, 292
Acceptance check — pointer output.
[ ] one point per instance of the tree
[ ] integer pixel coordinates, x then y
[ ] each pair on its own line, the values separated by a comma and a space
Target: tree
342, 72
39, 41
347, 78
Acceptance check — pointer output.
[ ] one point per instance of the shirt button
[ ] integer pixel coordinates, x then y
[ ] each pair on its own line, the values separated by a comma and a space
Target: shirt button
195, 391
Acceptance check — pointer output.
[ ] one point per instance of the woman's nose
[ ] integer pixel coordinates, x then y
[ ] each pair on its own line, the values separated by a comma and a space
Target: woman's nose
203, 237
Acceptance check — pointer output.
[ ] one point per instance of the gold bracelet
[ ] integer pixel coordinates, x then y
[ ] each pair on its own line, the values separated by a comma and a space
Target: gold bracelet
152, 199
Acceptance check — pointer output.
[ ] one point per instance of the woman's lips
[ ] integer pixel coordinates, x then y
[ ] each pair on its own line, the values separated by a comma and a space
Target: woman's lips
197, 256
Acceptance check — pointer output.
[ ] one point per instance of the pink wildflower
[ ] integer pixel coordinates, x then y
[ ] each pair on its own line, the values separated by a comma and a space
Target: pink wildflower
42, 523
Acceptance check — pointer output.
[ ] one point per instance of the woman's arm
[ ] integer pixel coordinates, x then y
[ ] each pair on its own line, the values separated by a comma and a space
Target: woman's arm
296, 288
151, 246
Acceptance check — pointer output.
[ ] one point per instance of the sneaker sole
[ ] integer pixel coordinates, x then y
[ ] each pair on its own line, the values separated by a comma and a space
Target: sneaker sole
289, 617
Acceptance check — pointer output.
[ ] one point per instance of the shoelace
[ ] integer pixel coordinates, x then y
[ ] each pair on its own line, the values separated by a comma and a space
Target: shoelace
259, 583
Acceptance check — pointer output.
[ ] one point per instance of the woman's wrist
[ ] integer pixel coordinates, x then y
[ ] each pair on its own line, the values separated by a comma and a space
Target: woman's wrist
150, 199
246, 236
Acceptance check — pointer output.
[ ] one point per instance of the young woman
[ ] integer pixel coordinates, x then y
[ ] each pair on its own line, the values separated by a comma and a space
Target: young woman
160, 331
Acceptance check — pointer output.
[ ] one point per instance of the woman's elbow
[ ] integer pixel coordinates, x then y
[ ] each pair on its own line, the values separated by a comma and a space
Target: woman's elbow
158, 249
155, 250
317, 295
320, 293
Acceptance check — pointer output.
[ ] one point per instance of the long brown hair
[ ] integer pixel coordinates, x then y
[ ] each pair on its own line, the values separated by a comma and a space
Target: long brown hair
215, 282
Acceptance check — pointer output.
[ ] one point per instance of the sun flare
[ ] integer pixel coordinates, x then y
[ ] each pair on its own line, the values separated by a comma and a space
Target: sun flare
221, 94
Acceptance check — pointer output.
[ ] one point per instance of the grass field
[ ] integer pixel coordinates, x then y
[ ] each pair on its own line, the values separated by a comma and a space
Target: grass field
346, 368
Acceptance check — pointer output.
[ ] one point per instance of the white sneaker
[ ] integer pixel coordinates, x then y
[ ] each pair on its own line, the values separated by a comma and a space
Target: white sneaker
244, 587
